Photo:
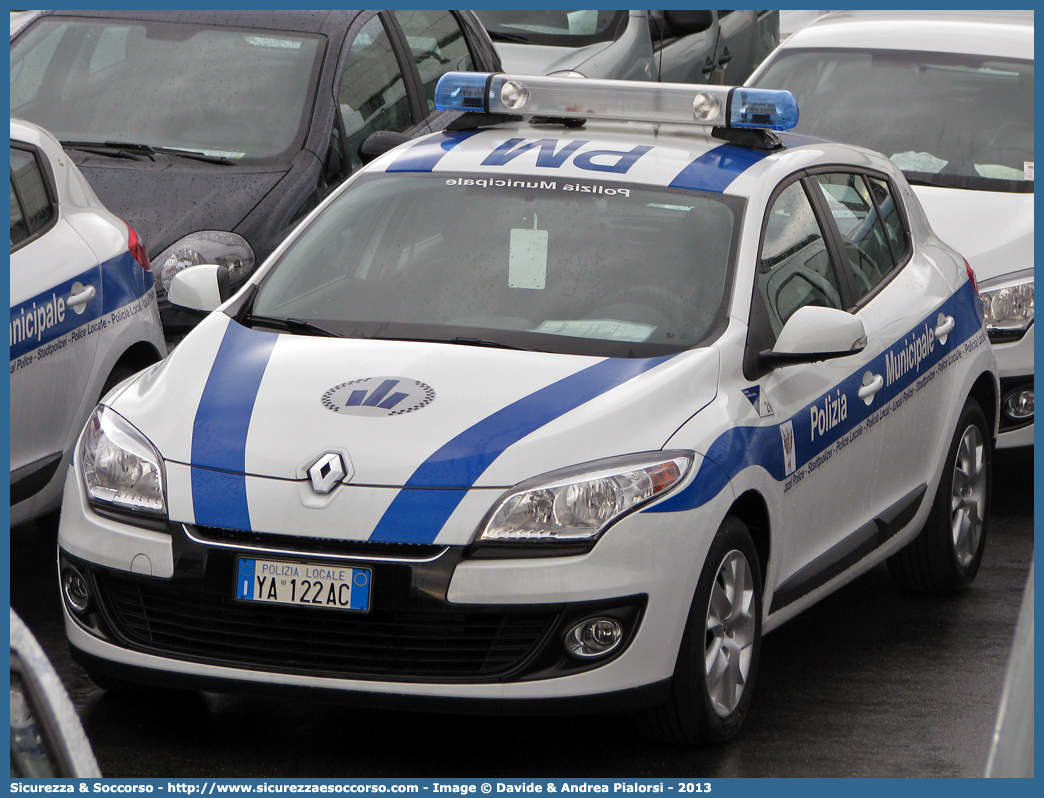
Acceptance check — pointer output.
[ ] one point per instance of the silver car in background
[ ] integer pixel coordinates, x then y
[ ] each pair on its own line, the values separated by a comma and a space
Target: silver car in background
670, 46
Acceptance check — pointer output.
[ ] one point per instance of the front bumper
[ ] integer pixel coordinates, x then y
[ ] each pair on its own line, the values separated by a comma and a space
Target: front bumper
1015, 363
441, 625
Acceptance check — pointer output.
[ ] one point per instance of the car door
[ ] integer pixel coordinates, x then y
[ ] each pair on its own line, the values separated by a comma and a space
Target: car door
747, 36
684, 46
903, 299
437, 44
830, 454
56, 303
376, 86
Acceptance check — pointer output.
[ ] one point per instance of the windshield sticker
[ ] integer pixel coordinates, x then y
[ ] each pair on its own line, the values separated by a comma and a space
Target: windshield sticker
266, 41
996, 171
543, 185
603, 329
918, 162
1027, 170
527, 258
378, 396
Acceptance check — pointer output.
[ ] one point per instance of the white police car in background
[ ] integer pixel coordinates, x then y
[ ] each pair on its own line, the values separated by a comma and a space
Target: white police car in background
83, 313
948, 96
541, 410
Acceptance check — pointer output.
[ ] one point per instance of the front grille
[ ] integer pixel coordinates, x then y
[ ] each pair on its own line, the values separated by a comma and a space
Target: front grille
354, 548
440, 645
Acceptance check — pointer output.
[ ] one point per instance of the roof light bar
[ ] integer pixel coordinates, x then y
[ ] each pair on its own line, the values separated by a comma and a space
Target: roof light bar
681, 103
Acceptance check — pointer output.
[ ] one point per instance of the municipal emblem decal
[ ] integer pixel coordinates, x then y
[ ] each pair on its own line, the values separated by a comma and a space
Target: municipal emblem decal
378, 396
786, 432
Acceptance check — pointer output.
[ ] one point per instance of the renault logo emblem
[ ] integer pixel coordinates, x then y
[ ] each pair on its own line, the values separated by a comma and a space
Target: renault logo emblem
327, 471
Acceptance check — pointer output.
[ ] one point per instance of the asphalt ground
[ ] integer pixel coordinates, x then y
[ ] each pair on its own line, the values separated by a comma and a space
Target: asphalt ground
871, 681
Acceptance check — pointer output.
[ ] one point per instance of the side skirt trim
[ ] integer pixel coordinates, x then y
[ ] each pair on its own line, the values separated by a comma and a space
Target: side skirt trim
849, 551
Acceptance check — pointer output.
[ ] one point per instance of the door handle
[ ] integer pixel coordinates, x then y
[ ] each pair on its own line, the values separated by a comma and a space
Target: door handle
726, 56
868, 389
82, 298
943, 327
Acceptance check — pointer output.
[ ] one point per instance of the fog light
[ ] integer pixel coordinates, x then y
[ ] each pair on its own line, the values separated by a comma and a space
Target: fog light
1019, 404
594, 637
76, 590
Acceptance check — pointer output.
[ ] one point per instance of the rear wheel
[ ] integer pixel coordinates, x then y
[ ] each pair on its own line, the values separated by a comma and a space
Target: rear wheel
946, 555
714, 675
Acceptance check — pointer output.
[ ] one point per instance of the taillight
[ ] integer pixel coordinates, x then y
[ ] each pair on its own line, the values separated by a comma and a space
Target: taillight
137, 249
971, 276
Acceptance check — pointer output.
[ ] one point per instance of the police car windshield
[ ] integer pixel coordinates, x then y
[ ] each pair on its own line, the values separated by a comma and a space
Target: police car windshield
573, 266
949, 120
232, 93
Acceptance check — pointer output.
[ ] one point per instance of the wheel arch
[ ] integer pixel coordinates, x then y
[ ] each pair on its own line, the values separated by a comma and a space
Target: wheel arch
984, 391
138, 356
752, 509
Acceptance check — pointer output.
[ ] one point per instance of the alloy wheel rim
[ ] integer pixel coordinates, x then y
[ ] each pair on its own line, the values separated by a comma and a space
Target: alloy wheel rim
730, 629
968, 496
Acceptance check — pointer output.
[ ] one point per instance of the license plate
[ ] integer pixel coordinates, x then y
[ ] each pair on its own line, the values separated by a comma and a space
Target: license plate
341, 587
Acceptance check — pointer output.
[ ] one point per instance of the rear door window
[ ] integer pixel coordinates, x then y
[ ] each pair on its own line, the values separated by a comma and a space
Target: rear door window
437, 44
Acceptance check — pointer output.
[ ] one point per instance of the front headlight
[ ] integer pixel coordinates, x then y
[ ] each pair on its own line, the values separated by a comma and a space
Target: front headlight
120, 468
206, 246
1008, 304
577, 504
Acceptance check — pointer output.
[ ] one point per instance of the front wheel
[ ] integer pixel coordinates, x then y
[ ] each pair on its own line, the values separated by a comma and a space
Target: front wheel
946, 555
714, 675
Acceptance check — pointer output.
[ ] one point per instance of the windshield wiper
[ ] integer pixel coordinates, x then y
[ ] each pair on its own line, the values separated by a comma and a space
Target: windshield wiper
941, 182
479, 342
290, 325
123, 149
497, 36
114, 149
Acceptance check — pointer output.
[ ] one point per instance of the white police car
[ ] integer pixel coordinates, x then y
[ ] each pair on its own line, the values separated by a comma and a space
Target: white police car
547, 413
83, 313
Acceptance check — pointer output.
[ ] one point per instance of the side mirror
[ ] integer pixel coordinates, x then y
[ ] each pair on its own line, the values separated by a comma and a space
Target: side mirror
379, 142
686, 23
813, 334
203, 287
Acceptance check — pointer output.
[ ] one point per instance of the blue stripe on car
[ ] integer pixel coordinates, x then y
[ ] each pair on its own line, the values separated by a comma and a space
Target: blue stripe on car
419, 511
219, 431
716, 169
424, 156
741, 447
43, 318
124, 281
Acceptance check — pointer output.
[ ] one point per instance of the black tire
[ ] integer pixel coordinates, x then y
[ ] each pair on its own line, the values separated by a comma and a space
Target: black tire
691, 715
944, 558
119, 373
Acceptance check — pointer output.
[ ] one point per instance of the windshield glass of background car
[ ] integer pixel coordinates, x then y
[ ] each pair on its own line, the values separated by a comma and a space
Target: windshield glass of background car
542, 264
950, 120
557, 28
231, 92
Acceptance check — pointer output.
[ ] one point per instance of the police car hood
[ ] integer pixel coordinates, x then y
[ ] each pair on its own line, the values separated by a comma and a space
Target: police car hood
419, 414
992, 229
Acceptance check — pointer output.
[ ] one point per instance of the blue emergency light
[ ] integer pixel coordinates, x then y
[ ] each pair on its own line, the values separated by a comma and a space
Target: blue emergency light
631, 100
